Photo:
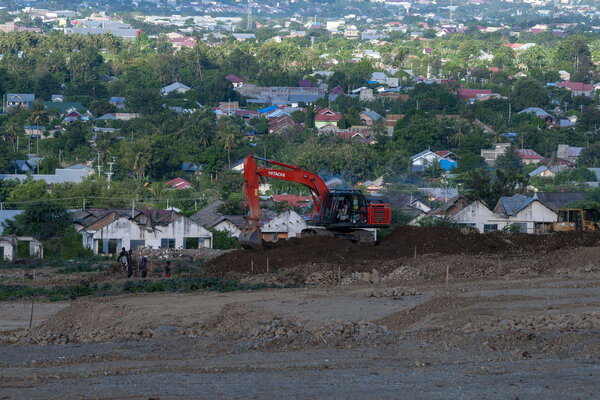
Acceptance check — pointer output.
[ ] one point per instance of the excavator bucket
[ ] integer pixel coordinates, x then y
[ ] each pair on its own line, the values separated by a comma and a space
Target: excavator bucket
251, 239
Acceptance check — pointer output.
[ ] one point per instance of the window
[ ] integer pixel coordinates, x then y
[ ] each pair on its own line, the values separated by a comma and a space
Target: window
562, 216
134, 244
167, 243
107, 246
191, 243
490, 227
521, 225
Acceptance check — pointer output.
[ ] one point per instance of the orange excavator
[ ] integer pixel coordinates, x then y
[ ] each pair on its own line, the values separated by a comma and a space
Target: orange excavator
346, 214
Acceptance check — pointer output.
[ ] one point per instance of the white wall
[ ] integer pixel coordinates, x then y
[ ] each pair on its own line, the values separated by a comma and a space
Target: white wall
8, 250
228, 226
288, 221
124, 231
427, 159
534, 212
479, 215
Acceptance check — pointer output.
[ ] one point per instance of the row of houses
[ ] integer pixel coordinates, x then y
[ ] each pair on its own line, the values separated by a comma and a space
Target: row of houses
533, 214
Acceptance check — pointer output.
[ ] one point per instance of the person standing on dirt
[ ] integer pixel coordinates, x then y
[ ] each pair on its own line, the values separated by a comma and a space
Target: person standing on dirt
168, 269
129, 263
144, 266
123, 259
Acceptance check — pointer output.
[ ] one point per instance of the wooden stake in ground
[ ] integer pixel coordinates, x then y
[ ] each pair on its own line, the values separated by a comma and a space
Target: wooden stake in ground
252, 266
22, 276
34, 275
31, 315
415, 252
447, 274
267, 265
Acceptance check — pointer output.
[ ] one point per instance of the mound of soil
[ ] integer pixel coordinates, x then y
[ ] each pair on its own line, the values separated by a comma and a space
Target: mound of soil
402, 242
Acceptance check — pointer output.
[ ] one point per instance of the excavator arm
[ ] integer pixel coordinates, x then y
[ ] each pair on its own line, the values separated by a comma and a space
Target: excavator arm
251, 236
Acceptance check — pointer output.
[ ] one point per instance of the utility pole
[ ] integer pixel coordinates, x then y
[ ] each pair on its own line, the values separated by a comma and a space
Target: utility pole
98, 164
249, 24
110, 172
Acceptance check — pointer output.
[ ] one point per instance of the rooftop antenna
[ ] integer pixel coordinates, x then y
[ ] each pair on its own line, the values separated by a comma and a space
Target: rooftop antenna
249, 25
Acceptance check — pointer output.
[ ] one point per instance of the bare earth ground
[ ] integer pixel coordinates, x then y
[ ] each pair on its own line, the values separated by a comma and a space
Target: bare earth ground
503, 328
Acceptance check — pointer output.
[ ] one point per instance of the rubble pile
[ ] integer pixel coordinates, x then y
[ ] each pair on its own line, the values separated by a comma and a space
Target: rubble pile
195, 254
554, 322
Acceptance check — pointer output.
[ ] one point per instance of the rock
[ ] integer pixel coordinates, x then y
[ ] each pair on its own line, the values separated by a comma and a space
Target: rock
366, 277
375, 276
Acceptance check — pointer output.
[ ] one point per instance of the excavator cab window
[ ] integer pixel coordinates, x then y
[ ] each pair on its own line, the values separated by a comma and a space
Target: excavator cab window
563, 216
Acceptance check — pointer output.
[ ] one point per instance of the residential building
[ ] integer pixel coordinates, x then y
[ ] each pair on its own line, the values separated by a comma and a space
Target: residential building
556, 200
568, 153
578, 88
107, 231
390, 122
424, 159
538, 112
62, 175
283, 123
491, 155
17, 100
286, 225
327, 116
235, 81
547, 172
10, 244
179, 183
176, 87
529, 156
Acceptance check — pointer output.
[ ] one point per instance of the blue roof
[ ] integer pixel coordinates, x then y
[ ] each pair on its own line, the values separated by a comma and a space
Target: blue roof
538, 171
190, 167
267, 109
513, 205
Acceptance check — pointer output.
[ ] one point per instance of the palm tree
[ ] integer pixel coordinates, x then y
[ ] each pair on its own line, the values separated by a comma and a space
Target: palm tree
140, 160
11, 133
462, 126
227, 137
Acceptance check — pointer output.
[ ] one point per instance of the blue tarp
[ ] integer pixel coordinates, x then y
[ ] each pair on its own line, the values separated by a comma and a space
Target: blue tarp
448, 165
267, 109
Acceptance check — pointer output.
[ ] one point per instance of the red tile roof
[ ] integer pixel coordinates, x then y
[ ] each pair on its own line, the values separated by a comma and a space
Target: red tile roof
528, 154
233, 79
466, 94
327, 115
179, 183
576, 86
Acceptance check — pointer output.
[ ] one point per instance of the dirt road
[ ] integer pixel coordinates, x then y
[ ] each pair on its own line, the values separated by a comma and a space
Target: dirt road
526, 338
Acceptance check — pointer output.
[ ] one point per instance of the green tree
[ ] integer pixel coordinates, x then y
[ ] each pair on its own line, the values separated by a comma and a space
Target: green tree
43, 220
528, 93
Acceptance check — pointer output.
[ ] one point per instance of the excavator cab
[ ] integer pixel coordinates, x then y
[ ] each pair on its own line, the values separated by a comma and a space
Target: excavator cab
577, 219
350, 209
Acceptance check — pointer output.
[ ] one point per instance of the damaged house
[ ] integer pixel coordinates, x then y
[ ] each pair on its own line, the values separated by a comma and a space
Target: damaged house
107, 231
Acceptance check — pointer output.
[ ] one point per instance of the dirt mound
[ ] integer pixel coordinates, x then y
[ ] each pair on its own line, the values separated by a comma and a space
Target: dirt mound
401, 243
235, 319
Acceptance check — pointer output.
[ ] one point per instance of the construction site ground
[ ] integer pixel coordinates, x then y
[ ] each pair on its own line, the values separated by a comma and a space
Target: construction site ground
472, 317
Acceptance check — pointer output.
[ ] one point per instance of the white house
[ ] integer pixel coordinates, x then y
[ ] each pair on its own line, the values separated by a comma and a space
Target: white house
422, 160
149, 228
528, 213
477, 215
286, 225
176, 87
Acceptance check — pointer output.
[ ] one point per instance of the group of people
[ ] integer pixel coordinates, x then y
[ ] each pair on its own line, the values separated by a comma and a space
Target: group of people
126, 260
